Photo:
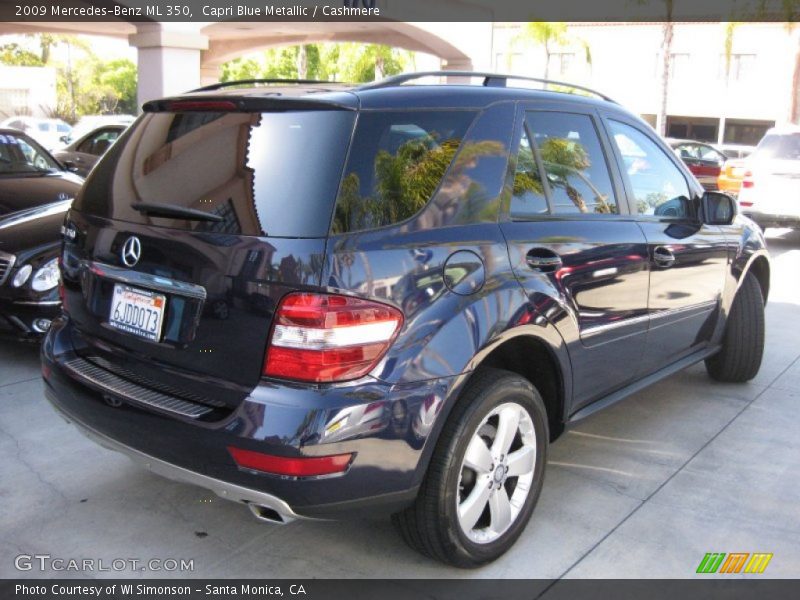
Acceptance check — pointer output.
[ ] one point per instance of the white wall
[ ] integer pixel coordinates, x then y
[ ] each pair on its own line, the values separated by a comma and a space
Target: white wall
625, 66
27, 90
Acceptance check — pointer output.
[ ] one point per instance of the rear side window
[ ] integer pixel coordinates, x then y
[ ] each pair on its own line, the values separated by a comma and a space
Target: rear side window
273, 174
574, 163
397, 161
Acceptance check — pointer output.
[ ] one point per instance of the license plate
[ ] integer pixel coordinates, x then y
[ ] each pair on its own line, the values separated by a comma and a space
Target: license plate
138, 312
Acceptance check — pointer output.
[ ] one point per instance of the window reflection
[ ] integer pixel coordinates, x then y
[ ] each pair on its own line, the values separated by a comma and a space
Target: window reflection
528, 194
575, 166
397, 163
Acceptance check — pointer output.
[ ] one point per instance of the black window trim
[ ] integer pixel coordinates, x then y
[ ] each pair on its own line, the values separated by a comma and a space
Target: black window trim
623, 213
671, 156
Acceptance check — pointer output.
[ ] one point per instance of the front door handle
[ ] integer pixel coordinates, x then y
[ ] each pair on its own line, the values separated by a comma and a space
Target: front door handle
543, 259
663, 257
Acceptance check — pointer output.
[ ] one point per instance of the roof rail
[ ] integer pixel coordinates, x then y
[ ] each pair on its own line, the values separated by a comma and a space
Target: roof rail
224, 84
489, 80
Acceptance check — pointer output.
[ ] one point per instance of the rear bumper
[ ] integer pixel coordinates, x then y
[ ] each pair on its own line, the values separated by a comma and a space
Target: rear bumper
388, 428
18, 319
258, 501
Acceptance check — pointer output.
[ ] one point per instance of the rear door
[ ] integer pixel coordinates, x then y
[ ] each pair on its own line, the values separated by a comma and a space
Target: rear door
570, 237
687, 258
200, 221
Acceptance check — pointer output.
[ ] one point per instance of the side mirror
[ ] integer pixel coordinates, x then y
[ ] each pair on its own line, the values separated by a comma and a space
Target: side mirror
64, 139
718, 208
70, 166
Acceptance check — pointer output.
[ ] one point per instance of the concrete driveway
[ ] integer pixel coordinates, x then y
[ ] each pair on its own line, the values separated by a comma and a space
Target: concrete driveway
643, 489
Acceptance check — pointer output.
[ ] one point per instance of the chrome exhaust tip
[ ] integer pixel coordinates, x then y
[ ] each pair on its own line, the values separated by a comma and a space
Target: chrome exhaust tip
268, 514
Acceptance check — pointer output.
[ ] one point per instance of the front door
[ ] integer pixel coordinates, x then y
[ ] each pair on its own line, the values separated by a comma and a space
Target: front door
687, 257
570, 238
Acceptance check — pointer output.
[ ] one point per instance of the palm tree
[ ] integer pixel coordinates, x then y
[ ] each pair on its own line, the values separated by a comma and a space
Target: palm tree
666, 59
547, 35
730, 29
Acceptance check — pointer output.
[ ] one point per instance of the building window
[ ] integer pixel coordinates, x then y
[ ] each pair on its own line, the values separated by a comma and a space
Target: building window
561, 63
510, 62
14, 102
741, 66
678, 65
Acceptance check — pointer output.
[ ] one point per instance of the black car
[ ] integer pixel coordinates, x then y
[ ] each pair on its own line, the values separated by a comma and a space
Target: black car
31, 242
424, 285
30, 176
35, 193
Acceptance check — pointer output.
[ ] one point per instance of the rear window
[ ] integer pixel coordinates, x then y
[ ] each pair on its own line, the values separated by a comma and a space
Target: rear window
783, 147
273, 174
397, 161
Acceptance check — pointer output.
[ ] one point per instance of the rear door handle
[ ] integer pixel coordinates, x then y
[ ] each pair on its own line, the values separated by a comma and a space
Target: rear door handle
663, 257
543, 259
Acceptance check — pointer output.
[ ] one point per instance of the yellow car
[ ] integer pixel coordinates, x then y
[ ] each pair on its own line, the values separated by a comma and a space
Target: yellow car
731, 176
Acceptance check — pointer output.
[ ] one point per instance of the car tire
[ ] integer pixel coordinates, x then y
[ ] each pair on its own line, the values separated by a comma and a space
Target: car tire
739, 359
438, 523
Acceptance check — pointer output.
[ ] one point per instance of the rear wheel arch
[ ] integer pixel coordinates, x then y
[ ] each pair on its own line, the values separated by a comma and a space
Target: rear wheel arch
534, 359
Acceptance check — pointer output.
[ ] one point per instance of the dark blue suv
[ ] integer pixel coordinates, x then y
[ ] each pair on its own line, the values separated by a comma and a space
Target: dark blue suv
325, 301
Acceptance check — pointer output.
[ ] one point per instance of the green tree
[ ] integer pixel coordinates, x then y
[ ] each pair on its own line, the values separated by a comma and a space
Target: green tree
328, 62
17, 56
119, 81
240, 68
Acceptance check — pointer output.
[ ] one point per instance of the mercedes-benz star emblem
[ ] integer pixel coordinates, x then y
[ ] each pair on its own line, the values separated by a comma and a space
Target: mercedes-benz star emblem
131, 251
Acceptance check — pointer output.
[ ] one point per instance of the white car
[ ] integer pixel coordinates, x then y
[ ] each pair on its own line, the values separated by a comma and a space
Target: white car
48, 132
770, 193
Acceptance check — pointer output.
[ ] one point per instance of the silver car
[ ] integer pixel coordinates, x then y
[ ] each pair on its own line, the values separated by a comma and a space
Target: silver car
82, 154
770, 193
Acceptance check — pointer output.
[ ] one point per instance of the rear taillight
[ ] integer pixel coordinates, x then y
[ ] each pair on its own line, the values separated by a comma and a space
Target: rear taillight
747, 182
328, 337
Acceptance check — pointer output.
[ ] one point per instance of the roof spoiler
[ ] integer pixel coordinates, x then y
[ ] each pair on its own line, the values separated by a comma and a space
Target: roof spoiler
209, 103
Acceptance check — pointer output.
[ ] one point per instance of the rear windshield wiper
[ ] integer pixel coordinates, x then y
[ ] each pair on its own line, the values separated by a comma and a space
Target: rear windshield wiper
176, 212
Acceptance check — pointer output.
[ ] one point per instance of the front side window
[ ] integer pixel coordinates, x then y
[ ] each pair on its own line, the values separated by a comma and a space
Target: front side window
659, 188
396, 163
574, 163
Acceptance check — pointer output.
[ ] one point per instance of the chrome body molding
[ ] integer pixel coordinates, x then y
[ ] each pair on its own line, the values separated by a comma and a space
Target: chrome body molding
6, 264
37, 302
653, 317
146, 280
